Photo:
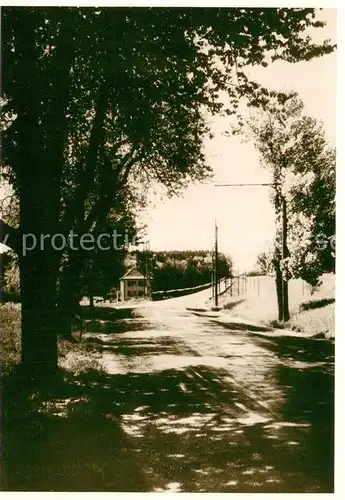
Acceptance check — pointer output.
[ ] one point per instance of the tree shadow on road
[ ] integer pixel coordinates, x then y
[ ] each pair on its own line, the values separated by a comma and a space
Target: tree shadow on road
80, 433
231, 305
188, 430
106, 313
304, 349
185, 430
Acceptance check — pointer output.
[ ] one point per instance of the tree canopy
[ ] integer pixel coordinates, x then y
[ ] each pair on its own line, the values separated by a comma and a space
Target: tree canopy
302, 162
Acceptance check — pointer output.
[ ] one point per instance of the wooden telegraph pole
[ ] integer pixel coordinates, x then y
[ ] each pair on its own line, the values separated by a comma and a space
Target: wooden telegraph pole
284, 314
212, 273
147, 269
216, 266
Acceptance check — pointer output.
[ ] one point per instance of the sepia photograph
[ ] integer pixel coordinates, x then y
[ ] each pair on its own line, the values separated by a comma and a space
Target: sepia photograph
167, 248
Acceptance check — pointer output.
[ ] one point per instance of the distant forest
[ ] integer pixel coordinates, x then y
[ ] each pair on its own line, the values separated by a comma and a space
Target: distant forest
168, 270
181, 268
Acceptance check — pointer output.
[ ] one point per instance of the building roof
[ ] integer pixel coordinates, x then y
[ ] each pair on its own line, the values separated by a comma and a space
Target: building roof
133, 274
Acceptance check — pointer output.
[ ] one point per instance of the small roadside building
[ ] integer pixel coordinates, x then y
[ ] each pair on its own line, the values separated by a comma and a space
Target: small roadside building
133, 284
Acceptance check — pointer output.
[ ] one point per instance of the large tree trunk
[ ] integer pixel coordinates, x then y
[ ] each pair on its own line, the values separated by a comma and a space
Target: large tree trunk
282, 295
40, 148
286, 312
281, 254
39, 325
279, 289
69, 292
68, 302
39, 265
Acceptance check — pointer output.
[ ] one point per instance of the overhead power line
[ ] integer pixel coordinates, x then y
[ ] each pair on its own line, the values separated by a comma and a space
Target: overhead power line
249, 184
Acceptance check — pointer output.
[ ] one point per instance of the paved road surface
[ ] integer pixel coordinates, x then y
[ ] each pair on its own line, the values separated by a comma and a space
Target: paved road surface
186, 405
223, 410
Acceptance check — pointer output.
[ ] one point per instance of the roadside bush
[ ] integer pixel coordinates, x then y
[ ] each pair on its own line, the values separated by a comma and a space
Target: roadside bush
10, 347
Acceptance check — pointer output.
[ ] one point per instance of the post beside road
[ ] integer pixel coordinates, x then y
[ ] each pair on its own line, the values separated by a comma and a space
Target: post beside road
216, 266
285, 315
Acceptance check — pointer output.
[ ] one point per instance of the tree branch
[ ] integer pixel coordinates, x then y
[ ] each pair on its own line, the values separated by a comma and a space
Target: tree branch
85, 175
106, 198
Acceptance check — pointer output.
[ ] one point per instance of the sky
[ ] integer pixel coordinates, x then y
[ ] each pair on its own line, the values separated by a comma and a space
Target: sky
245, 216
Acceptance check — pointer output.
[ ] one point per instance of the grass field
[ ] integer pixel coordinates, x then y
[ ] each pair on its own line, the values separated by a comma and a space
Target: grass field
312, 312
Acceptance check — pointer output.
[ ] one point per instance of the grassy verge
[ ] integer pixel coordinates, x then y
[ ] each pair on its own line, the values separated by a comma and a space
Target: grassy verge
318, 321
76, 358
312, 311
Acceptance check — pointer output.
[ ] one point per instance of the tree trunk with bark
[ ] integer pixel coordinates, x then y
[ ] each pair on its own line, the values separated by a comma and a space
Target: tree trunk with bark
68, 297
279, 289
286, 312
282, 291
38, 168
39, 317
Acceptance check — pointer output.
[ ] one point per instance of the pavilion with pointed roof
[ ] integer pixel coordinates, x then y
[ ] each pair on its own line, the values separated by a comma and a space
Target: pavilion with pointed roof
134, 284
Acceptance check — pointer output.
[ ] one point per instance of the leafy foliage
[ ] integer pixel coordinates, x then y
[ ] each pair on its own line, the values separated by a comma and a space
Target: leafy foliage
294, 147
104, 267
129, 94
10, 283
265, 262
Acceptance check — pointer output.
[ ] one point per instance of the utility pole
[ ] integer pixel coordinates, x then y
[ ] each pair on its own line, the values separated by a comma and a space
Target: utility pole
146, 264
212, 273
216, 265
284, 283
147, 278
